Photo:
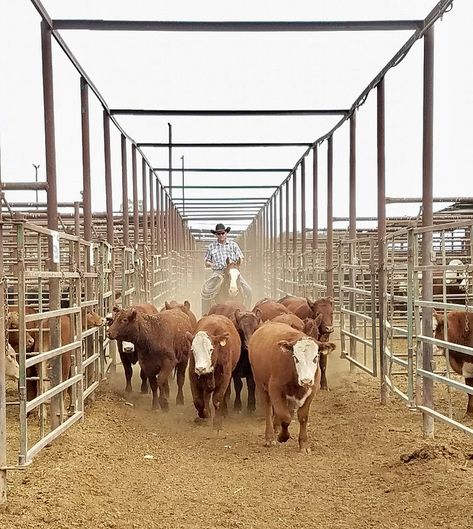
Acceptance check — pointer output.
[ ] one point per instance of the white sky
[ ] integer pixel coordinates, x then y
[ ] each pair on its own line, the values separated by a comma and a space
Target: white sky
240, 71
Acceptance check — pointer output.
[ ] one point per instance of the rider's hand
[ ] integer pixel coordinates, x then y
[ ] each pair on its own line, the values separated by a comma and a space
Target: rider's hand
208, 264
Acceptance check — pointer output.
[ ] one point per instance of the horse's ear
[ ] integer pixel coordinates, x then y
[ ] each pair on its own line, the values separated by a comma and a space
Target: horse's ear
239, 261
227, 261
187, 305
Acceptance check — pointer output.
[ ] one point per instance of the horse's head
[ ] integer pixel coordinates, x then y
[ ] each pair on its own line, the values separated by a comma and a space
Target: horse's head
232, 273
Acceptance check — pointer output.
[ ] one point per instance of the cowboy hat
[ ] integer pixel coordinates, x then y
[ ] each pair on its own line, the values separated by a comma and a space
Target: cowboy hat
220, 227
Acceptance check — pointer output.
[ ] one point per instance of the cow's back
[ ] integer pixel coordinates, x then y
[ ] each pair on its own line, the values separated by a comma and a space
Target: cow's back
290, 319
266, 357
270, 309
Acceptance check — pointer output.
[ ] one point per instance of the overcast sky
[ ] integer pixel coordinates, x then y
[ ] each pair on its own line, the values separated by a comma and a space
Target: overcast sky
241, 71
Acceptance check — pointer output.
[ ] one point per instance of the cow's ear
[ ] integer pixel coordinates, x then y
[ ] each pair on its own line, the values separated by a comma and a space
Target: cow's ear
311, 304
166, 305
222, 339
189, 336
309, 326
132, 314
116, 308
286, 347
187, 305
258, 314
326, 347
237, 315
437, 316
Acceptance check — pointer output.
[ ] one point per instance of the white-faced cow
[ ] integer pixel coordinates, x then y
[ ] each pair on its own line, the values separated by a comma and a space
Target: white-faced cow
459, 331
215, 347
285, 365
321, 310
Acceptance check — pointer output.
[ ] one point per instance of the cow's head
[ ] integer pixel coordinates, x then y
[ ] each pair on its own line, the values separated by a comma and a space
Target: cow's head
247, 322
13, 325
323, 307
205, 349
305, 353
93, 319
123, 326
312, 326
12, 369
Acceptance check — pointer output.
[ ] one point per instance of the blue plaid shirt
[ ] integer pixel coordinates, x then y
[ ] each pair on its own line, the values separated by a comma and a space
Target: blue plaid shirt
217, 254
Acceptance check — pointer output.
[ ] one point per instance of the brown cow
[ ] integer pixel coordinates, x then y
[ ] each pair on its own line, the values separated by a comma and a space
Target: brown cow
269, 309
290, 319
459, 331
304, 308
127, 351
246, 322
215, 349
161, 344
285, 366
185, 307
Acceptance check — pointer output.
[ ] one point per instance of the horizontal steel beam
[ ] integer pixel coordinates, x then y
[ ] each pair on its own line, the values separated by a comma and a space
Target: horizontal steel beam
300, 25
224, 170
225, 187
256, 200
42, 204
219, 217
214, 113
404, 200
24, 186
225, 145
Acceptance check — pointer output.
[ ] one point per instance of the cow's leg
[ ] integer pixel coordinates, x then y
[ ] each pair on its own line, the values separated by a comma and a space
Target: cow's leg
238, 385
226, 398
250, 384
197, 396
206, 399
303, 415
323, 368
263, 397
127, 367
469, 409
153, 382
281, 411
163, 383
218, 400
180, 378
144, 382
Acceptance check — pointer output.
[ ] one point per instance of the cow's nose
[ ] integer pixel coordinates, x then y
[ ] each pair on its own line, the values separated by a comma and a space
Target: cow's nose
200, 370
307, 382
329, 330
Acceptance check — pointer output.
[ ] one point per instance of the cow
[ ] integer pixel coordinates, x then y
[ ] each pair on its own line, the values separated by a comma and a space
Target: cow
160, 344
460, 331
215, 347
269, 309
12, 369
246, 322
127, 352
308, 326
185, 307
285, 365
305, 308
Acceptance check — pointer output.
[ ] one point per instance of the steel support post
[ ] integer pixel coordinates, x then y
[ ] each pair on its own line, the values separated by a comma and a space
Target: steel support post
427, 220
329, 258
152, 215
3, 396
144, 174
381, 238
352, 235
108, 177
315, 199
136, 209
126, 213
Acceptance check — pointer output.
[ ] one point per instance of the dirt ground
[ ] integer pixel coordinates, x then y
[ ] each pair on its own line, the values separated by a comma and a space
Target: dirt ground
128, 467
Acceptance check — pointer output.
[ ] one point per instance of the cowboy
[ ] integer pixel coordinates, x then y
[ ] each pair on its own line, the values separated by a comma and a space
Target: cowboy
216, 258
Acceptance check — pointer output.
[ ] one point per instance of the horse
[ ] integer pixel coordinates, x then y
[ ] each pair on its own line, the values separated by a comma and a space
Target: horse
229, 289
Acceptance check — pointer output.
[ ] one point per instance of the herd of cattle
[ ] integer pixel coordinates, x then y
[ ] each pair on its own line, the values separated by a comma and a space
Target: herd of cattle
276, 347
279, 347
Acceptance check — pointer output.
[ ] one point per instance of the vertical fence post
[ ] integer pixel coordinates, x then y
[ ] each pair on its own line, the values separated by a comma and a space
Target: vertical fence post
136, 209
329, 258
381, 237
352, 235
303, 231
152, 215
108, 177
315, 199
50, 148
285, 263
427, 220
3, 396
126, 213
